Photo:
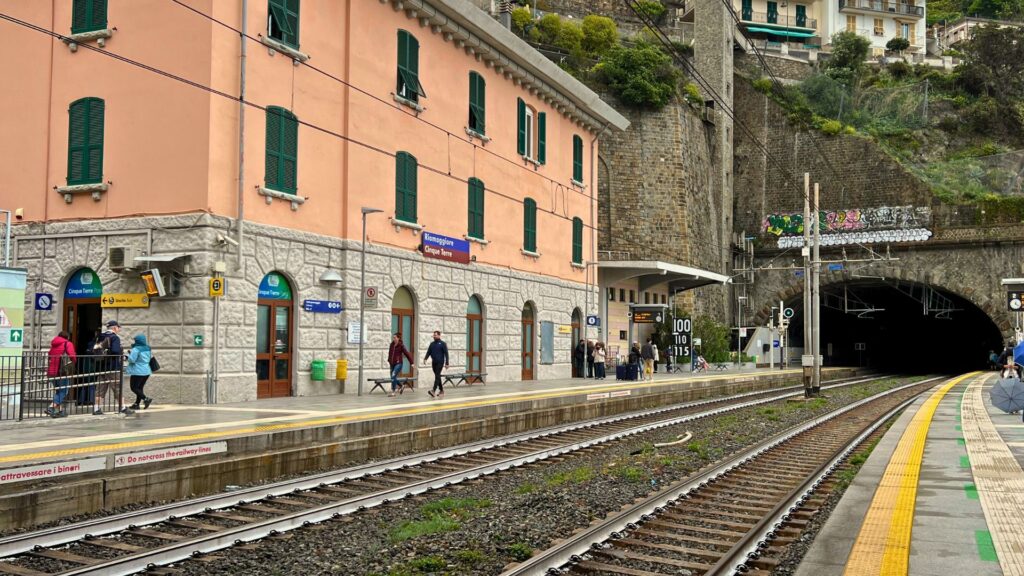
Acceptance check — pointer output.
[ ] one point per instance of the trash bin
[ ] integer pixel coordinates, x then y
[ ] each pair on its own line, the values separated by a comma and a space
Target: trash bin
317, 370
342, 370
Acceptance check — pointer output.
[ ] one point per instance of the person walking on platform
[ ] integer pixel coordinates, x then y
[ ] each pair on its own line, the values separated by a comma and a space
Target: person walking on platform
111, 356
85, 394
61, 367
590, 358
395, 353
139, 371
437, 353
657, 357
647, 354
599, 359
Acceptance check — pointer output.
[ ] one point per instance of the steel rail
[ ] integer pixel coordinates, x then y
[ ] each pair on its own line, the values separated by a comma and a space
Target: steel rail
572, 548
58, 535
178, 551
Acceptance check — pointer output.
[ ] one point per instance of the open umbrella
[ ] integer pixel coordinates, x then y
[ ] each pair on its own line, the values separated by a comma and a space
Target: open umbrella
1007, 394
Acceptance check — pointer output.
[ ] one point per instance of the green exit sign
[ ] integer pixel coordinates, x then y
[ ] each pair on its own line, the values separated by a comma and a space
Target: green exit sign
17, 336
197, 339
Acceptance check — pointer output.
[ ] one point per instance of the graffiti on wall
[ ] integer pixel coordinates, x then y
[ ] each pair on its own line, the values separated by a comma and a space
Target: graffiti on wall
857, 219
863, 237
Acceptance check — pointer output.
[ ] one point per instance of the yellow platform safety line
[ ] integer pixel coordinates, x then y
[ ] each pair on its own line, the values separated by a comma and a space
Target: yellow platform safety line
369, 415
882, 547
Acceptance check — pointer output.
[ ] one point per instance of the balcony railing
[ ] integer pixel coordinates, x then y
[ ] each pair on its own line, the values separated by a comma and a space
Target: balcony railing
788, 20
885, 6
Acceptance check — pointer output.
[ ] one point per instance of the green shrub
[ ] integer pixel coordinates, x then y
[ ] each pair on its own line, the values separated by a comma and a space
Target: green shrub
683, 48
428, 564
520, 551
692, 93
521, 18
547, 29
831, 127
641, 76
652, 9
599, 35
900, 69
570, 37
849, 130
471, 557
764, 85
897, 44
849, 52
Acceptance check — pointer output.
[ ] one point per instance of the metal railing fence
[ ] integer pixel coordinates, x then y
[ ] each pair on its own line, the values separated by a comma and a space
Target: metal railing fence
26, 389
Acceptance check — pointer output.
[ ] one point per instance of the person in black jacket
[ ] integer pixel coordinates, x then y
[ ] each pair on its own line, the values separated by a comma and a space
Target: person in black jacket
437, 353
579, 356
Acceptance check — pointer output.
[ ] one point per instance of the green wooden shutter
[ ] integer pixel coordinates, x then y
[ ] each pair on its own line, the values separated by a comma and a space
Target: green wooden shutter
289, 153
476, 208
577, 158
85, 141
577, 240
292, 8
542, 133
409, 86
94, 150
405, 187
77, 140
88, 15
521, 127
272, 167
410, 194
285, 14
530, 225
477, 89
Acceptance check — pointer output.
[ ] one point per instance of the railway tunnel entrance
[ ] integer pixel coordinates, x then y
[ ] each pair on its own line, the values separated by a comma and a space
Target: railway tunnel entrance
900, 326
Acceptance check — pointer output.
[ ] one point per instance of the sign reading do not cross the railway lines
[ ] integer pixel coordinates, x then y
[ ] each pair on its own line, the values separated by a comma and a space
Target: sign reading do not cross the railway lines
682, 335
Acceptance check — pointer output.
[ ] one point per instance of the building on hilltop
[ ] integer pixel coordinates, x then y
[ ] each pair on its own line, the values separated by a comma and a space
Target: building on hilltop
477, 150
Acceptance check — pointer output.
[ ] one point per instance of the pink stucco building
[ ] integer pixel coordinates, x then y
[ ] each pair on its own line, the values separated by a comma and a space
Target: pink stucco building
240, 139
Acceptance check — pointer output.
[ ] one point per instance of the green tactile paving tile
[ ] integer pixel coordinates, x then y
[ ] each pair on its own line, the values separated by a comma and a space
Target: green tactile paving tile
986, 548
961, 441
965, 462
971, 490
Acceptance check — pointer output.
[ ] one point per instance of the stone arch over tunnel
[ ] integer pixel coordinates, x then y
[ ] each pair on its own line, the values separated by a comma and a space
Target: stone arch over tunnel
892, 320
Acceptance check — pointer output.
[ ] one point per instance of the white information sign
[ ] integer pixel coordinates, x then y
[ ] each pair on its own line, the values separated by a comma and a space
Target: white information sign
169, 453
353, 333
51, 470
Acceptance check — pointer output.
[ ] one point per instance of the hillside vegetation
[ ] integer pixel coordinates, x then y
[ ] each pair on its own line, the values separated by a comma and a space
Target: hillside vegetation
961, 131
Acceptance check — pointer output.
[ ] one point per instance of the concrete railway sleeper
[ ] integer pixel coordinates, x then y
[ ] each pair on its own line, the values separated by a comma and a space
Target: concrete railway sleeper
135, 541
729, 518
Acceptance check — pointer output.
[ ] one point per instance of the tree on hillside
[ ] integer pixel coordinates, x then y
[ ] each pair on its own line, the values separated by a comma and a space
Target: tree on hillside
641, 76
600, 34
993, 69
849, 51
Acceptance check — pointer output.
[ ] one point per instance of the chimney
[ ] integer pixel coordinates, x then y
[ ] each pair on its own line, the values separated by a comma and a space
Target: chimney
505, 13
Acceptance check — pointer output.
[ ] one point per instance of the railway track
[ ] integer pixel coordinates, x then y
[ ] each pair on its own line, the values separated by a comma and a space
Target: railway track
735, 517
136, 541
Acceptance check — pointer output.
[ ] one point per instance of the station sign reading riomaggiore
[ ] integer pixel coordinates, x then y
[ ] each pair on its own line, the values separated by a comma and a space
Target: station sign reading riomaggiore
445, 248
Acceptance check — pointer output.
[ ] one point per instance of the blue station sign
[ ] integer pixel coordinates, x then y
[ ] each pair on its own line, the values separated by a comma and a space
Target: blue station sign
445, 248
323, 306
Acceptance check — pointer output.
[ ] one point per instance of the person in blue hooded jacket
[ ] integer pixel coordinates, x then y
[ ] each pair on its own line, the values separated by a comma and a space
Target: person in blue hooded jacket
139, 371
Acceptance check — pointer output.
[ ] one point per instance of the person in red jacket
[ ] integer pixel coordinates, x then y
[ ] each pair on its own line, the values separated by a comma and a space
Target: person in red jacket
60, 368
395, 354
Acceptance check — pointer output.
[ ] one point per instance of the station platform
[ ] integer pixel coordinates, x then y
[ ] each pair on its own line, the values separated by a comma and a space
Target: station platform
942, 493
53, 468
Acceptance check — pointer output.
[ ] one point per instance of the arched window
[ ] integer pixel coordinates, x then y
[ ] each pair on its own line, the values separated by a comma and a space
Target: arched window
474, 336
403, 321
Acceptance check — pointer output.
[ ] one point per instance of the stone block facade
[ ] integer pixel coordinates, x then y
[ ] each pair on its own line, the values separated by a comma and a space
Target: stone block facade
52, 253
657, 199
783, 67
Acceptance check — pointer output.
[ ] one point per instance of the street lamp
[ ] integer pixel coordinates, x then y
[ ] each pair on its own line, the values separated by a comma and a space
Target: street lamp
362, 290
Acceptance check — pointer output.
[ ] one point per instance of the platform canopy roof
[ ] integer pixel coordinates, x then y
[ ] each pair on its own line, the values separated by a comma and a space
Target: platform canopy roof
651, 273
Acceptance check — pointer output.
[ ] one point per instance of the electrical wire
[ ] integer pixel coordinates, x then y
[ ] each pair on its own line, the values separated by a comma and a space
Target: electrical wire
211, 90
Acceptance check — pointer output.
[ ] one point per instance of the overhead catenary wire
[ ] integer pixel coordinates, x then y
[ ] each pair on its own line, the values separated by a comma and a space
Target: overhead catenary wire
221, 93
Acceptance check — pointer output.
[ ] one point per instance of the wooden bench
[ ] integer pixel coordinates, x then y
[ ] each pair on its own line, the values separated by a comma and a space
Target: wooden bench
467, 378
405, 383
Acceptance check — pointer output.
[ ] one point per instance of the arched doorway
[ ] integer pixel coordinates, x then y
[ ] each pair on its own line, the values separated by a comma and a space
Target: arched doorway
274, 337
529, 341
474, 336
82, 313
403, 321
577, 335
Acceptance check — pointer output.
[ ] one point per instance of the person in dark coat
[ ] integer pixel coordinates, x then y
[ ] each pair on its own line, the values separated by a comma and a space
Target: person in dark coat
85, 393
111, 360
579, 357
396, 352
437, 353
60, 368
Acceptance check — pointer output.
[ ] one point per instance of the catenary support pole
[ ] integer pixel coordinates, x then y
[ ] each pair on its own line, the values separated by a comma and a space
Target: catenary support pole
816, 294
362, 292
806, 252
